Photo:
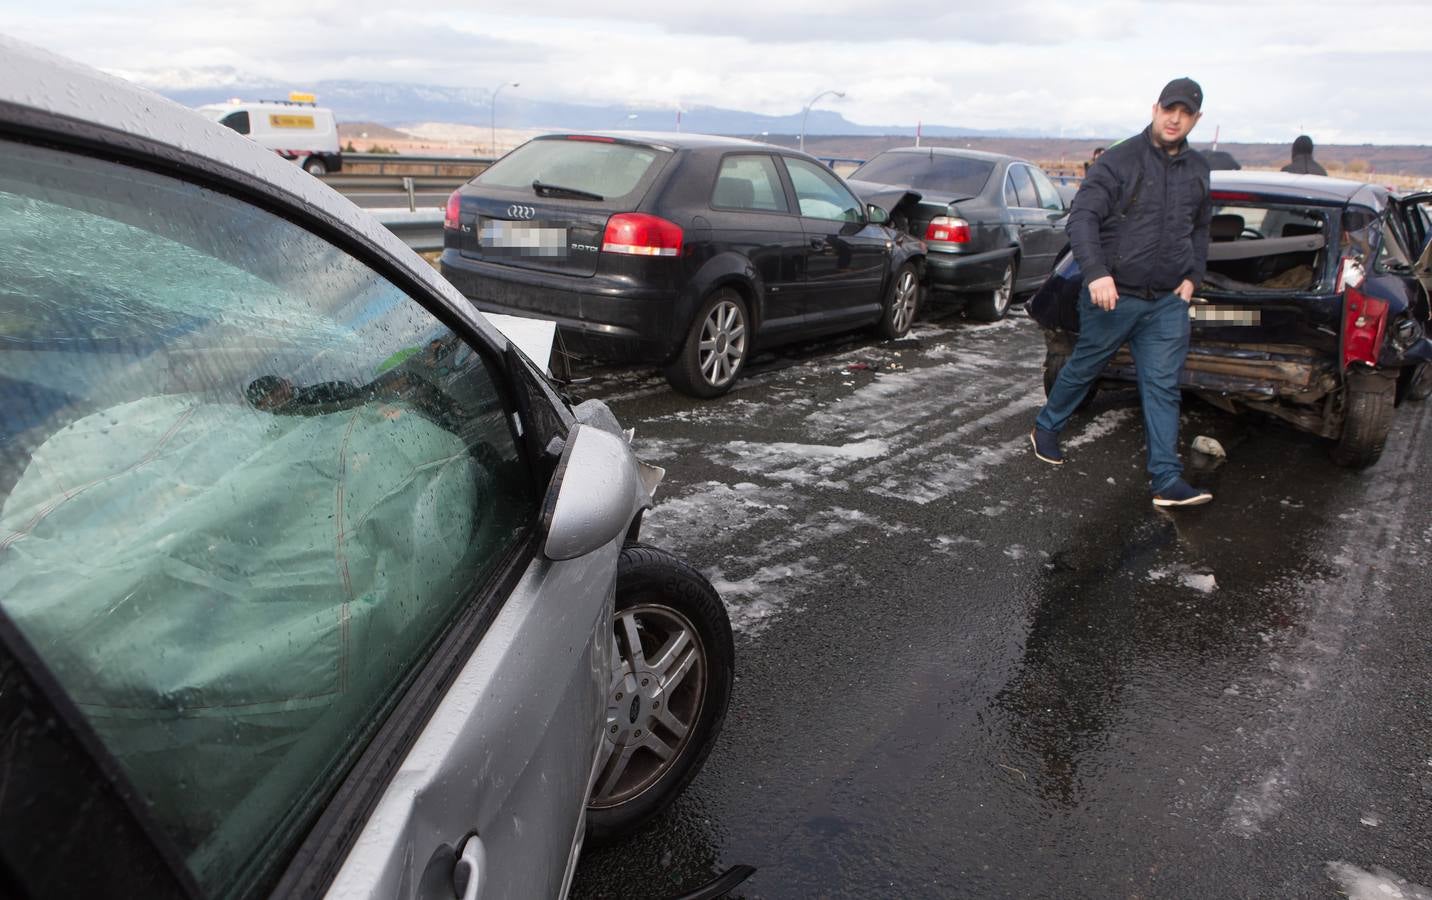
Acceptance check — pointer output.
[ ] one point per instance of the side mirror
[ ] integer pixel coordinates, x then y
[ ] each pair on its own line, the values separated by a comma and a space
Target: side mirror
595, 491
876, 215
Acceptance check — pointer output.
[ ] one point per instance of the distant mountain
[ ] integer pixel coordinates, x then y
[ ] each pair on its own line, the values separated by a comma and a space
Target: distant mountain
398, 104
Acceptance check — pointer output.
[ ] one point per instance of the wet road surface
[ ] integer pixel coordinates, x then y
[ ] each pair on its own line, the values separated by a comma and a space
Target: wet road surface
965, 673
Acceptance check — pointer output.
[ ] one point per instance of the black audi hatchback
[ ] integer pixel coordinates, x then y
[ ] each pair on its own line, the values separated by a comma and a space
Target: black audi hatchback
684, 251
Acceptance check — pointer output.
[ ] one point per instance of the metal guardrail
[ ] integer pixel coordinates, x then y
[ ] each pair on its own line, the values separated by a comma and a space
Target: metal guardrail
420, 229
395, 164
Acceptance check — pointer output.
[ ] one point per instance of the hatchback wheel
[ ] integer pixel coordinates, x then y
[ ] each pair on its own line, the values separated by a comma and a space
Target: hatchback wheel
902, 304
715, 348
315, 167
1054, 362
991, 307
1367, 420
673, 659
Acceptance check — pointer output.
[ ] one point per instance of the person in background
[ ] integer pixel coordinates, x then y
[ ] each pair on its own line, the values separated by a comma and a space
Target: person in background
1093, 158
1303, 162
1139, 229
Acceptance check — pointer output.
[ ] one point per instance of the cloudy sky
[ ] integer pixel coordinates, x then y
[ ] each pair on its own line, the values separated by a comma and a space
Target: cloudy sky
1345, 73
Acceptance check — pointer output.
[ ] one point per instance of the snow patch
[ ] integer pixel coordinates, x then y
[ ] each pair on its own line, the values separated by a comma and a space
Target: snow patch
1203, 582
1379, 884
752, 602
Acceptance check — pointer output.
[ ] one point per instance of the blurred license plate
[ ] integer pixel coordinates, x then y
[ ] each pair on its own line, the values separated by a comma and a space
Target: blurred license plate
1225, 315
499, 236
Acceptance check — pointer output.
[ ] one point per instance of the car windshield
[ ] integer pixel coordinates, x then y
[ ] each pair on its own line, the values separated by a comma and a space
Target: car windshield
931, 171
603, 168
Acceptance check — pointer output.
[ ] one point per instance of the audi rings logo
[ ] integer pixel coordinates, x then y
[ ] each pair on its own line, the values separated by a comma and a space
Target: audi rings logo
520, 212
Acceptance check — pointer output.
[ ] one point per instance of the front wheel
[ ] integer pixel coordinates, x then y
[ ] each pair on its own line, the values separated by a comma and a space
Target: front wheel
715, 348
1367, 421
673, 663
902, 304
315, 166
992, 306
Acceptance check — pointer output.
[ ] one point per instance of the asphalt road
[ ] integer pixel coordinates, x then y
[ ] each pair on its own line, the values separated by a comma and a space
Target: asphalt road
965, 673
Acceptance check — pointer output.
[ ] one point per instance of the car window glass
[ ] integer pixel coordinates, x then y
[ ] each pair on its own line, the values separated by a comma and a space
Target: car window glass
239, 121
1048, 194
1011, 199
1023, 187
820, 194
948, 174
606, 168
245, 484
748, 182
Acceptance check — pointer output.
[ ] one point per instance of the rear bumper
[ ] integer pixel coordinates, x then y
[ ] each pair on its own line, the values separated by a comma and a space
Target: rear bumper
966, 271
602, 318
1252, 372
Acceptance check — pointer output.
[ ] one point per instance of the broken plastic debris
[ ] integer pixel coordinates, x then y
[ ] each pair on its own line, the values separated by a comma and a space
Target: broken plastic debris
1205, 444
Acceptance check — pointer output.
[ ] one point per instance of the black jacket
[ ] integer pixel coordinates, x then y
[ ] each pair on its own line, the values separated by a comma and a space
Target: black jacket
1305, 165
1142, 216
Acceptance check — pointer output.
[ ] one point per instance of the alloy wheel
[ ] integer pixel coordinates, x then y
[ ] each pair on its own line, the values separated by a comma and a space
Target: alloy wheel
1004, 292
722, 345
654, 701
907, 294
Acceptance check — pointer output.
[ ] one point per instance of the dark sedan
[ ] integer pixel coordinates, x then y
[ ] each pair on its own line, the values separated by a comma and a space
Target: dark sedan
994, 224
686, 251
1314, 307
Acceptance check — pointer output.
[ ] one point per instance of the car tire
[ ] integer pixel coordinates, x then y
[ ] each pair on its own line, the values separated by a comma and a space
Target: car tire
902, 303
716, 347
1367, 420
991, 306
1054, 362
315, 166
675, 617
1419, 386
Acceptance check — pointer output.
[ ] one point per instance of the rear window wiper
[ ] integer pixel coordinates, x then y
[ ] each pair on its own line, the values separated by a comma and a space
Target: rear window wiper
555, 190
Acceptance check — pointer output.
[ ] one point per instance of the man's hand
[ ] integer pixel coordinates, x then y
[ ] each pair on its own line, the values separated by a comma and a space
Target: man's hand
1104, 294
1184, 290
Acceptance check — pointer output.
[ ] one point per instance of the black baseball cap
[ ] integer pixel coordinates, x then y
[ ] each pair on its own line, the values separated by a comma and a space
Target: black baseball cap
1182, 90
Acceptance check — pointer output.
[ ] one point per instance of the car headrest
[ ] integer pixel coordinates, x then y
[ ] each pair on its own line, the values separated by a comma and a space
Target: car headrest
738, 193
1225, 227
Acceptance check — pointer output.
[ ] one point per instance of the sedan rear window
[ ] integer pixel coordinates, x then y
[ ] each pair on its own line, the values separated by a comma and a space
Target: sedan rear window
607, 169
928, 171
1272, 247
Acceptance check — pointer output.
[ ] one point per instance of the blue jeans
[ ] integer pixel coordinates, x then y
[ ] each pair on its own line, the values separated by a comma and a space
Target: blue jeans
1157, 334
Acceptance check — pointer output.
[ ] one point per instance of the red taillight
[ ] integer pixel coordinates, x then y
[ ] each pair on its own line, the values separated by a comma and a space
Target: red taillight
1231, 196
949, 230
1364, 324
595, 139
639, 234
452, 212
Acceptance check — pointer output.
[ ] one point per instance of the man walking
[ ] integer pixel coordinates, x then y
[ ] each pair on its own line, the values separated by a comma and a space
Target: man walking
1139, 230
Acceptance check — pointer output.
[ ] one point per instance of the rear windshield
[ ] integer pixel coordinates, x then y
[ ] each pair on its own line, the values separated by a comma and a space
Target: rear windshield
609, 170
928, 171
1268, 248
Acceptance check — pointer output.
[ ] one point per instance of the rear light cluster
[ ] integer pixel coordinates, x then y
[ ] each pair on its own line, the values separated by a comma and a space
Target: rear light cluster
452, 212
948, 229
1364, 317
640, 234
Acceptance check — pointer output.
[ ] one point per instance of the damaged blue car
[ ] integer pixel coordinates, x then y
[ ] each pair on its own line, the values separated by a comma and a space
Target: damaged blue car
1313, 309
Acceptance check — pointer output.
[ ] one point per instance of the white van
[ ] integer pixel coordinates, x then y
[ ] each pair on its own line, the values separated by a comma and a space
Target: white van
296, 129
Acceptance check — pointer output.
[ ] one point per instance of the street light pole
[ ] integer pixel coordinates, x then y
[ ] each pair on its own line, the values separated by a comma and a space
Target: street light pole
492, 123
806, 112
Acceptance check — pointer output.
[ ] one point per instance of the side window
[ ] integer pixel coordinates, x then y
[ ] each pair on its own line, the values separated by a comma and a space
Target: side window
1023, 187
820, 193
1011, 199
1048, 195
239, 121
245, 484
749, 182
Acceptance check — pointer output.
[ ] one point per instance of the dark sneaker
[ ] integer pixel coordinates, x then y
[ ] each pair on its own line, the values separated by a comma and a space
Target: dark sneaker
1046, 446
1181, 493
